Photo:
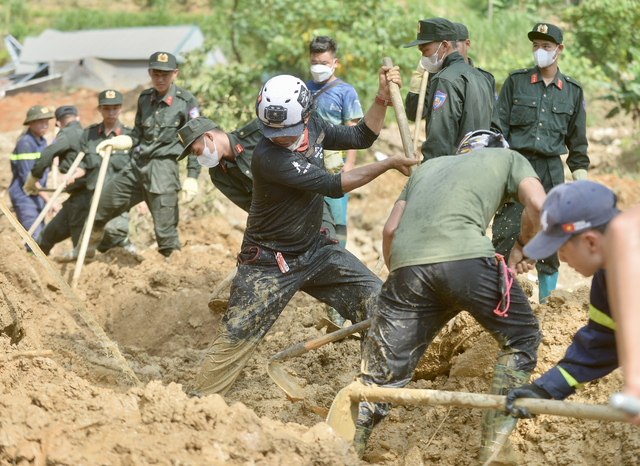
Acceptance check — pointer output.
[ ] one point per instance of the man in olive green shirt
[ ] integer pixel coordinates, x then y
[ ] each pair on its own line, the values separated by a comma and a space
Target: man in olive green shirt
542, 113
70, 220
153, 174
459, 100
441, 263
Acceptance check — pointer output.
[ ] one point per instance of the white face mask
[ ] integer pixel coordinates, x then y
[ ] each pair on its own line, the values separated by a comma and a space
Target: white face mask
298, 143
209, 159
295, 145
432, 64
544, 58
321, 73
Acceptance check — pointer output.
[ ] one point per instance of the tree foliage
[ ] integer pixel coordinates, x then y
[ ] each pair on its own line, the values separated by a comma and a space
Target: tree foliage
608, 32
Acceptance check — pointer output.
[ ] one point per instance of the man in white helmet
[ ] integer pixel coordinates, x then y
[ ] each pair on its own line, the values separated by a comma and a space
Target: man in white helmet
284, 250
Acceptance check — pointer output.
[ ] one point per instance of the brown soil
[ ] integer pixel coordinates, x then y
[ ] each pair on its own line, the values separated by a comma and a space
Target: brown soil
75, 407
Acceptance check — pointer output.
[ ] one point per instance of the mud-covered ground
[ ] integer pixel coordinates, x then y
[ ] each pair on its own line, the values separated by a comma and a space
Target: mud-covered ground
76, 407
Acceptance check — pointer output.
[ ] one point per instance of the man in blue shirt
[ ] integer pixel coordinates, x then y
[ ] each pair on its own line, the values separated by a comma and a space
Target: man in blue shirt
336, 102
574, 219
24, 156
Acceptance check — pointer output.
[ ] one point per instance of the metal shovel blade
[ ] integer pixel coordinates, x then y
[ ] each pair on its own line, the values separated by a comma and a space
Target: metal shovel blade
290, 384
291, 387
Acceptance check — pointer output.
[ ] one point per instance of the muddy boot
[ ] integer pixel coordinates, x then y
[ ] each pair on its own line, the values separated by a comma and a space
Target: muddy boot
72, 256
360, 439
498, 425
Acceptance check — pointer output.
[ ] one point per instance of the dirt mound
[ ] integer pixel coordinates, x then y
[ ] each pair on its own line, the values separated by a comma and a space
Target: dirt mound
51, 416
157, 313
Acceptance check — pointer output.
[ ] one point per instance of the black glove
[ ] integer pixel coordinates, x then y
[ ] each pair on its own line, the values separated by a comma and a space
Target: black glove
526, 391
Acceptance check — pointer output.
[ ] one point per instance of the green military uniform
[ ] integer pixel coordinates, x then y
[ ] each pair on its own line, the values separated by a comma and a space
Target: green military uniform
488, 76
541, 122
459, 100
153, 174
69, 222
117, 229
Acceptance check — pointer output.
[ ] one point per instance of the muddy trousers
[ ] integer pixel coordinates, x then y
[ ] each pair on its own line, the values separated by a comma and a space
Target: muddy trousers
124, 191
417, 301
259, 293
68, 223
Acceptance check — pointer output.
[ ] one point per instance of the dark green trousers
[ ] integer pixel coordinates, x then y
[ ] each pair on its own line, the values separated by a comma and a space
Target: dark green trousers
69, 222
506, 223
125, 190
116, 233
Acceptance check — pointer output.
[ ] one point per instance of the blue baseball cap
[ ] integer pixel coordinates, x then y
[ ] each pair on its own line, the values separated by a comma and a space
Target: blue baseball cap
569, 209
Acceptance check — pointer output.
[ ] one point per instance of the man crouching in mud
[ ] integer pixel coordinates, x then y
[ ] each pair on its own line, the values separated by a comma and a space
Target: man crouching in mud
441, 262
284, 249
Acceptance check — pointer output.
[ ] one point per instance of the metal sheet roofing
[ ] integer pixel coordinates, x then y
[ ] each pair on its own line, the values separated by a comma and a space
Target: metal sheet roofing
110, 44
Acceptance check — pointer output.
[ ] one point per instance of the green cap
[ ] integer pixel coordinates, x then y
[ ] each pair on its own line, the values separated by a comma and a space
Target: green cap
192, 131
434, 30
462, 33
38, 112
110, 97
162, 61
546, 31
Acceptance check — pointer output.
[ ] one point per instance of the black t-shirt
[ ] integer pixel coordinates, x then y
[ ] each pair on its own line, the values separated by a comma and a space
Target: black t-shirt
288, 187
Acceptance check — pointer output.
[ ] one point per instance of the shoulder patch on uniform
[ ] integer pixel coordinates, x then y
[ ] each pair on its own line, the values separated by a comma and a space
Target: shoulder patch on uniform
584, 105
184, 94
439, 99
250, 128
194, 112
573, 81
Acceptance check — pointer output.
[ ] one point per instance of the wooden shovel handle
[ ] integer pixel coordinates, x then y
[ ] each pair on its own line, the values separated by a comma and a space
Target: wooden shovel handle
304, 347
401, 116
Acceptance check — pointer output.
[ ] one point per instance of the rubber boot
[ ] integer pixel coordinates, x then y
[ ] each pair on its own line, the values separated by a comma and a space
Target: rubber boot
72, 256
498, 425
360, 439
546, 284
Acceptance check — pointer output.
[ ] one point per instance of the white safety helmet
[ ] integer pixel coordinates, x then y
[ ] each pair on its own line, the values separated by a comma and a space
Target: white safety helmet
284, 102
480, 139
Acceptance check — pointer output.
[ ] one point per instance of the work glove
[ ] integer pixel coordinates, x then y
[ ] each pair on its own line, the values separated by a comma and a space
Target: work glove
121, 142
416, 79
29, 186
189, 190
526, 391
579, 174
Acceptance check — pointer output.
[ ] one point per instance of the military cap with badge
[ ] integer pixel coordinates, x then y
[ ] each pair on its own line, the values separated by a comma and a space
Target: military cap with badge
546, 31
38, 112
163, 61
110, 97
